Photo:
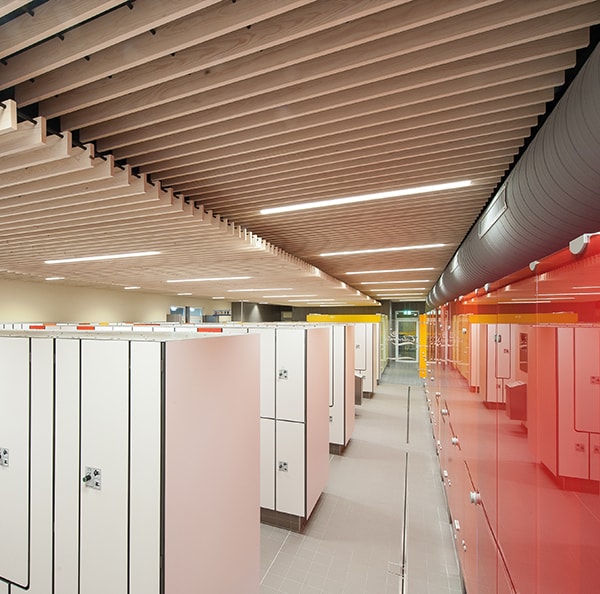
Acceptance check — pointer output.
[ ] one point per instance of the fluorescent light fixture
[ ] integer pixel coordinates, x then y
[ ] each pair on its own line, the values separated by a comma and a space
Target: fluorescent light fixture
389, 270
208, 280
217, 297
309, 300
367, 197
401, 289
53, 278
183, 294
105, 257
395, 282
258, 290
131, 288
381, 250
285, 296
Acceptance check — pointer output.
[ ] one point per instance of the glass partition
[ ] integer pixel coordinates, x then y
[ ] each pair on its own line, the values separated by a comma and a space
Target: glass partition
513, 385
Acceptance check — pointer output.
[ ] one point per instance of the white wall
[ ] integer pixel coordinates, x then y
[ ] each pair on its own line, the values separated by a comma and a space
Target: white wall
53, 302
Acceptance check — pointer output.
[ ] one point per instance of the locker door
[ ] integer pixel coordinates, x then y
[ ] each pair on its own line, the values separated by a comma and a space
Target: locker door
337, 404
290, 373
104, 446
66, 467
503, 351
267, 463
42, 396
360, 342
145, 468
15, 460
587, 380
290, 467
267, 371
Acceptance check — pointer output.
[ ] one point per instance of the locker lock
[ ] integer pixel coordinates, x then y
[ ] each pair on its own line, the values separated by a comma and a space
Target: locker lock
455, 441
282, 374
282, 466
445, 412
4, 456
475, 498
92, 478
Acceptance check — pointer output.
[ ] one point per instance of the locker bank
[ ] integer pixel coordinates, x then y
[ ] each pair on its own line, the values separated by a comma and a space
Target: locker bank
197, 196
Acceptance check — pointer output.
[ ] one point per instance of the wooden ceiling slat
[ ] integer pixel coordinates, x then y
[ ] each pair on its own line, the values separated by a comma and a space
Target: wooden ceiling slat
27, 136
114, 181
242, 46
513, 83
135, 188
252, 163
431, 83
47, 20
9, 6
192, 28
239, 81
89, 171
444, 53
53, 149
8, 116
91, 38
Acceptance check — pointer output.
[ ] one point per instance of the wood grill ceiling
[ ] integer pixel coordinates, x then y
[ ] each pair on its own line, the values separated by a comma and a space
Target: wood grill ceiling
180, 120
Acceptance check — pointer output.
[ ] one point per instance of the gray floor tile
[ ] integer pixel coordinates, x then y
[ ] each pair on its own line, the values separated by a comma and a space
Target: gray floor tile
353, 541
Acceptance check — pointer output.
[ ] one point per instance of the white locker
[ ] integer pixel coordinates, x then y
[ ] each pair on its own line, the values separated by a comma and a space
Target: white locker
67, 476
105, 400
341, 406
360, 339
42, 378
587, 379
573, 446
145, 471
104, 450
268, 379
267, 463
290, 369
290, 493
503, 351
15, 488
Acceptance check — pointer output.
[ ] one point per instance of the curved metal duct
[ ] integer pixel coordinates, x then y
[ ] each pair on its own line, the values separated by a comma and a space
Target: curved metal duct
550, 197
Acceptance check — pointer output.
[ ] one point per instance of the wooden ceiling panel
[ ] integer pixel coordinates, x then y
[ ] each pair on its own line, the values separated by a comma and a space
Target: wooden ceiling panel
180, 121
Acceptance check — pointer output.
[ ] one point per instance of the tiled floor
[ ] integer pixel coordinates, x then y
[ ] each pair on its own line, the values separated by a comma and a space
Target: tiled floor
357, 540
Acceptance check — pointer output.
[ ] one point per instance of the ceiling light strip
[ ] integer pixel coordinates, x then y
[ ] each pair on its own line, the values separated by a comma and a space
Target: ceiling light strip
367, 197
103, 257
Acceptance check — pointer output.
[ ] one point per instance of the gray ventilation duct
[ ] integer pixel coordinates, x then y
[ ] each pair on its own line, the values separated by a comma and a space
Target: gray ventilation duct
550, 197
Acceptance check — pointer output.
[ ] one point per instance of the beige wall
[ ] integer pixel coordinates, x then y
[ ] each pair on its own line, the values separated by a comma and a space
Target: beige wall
54, 302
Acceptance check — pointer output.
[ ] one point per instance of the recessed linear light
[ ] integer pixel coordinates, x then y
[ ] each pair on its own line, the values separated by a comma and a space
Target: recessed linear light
258, 290
390, 249
131, 288
183, 294
105, 257
389, 270
367, 197
207, 280
53, 278
217, 297
395, 282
